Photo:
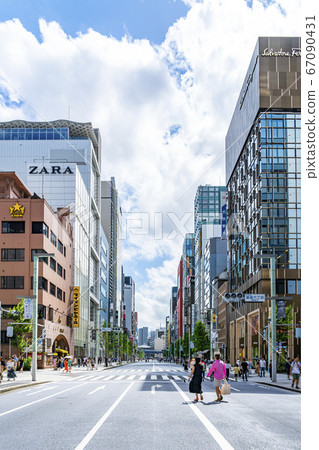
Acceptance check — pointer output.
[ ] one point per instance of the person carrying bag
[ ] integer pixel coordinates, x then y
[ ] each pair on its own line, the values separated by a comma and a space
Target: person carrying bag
225, 389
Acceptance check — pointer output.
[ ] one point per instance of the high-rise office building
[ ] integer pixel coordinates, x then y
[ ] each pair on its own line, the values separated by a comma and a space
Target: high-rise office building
104, 280
142, 336
263, 147
111, 218
129, 306
60, 161
188, 259
208, 204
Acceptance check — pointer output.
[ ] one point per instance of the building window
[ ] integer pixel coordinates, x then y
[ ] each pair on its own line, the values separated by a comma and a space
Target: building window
59, 270
12, 282
42, 283
60, 247
51, 314
59, 293
291, 286
40, 228
42, 311
280, 286
52, 289
53, 264
12, 254
64, 251
299, 287
13, 227
63, 296
39, 250
53, 238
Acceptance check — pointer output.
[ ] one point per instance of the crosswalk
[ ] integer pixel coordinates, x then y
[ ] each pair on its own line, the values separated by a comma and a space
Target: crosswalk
137, 376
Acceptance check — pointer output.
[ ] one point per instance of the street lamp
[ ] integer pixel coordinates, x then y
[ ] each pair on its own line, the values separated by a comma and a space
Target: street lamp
273, 312
36, 257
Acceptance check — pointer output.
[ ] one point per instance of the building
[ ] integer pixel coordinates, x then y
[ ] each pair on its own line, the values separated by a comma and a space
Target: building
142, 336
104, 280
60, 161
208, 205
180, 308
28, 226
263, 147
111, 217
188, 259
129, 306
173, 314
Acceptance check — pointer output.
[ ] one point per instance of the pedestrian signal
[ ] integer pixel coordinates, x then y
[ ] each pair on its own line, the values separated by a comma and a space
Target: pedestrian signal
233, 297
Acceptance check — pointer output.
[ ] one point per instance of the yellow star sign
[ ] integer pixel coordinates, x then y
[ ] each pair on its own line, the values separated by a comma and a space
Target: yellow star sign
17, 210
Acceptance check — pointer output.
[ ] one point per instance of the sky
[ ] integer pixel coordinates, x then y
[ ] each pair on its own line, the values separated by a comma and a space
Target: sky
160, 79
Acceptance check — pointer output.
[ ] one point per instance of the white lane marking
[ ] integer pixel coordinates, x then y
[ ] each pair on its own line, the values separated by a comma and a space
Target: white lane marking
45, 389
96, 427
142, 377
77, 378
23, 391
97, 389
131, 377
160, 370
88, 378
146, 370
154, 387
108, 377
186, 378
40, 400
153, 377
119, 378
219, 438
176, 378
165, 377
97, 378
231, 387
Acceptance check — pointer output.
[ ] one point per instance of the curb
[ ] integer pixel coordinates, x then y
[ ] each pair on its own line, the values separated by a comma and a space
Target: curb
113, 367
280, 387
22, 386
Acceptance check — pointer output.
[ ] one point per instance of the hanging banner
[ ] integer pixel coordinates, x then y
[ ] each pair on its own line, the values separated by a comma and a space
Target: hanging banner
28, 308
281, 309
76, 307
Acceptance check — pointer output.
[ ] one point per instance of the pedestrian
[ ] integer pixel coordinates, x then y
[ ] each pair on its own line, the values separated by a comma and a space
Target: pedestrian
2, 368
219, 369
54, 364
262, 367
270, 370
196, 378
204, 369
236, 371
92, 363
257, 370
287, 367
244, 370
228, 368
10, 369
21, 363
66, 365
69, 365
295, 371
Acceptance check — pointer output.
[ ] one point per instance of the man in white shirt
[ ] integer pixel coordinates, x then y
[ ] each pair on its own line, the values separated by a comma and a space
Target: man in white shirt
262, 367
295, 370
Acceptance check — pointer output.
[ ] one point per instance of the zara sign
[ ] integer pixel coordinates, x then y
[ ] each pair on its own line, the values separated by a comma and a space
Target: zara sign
52, 170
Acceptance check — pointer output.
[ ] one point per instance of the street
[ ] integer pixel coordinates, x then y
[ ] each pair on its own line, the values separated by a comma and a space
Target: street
147, 406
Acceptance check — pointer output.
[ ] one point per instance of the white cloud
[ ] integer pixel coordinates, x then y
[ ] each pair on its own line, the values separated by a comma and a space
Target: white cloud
163, 111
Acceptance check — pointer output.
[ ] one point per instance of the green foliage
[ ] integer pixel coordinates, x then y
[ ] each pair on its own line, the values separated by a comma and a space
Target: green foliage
27, 363
185, 344
283, 332
200, 337
20, 331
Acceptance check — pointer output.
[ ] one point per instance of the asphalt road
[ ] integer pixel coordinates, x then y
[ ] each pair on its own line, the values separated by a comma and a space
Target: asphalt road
147, 406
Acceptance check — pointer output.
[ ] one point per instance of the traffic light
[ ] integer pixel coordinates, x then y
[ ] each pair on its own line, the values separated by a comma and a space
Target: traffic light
214, 318
233, 297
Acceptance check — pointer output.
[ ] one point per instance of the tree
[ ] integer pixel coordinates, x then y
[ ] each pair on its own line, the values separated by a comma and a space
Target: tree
185, 344
20, 331
200, 337
282, 333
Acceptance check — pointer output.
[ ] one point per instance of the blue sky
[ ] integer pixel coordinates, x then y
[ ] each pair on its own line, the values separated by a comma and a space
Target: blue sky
149, 19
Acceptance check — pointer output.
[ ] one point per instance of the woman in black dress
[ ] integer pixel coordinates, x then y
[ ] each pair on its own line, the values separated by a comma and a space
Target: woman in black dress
195, 385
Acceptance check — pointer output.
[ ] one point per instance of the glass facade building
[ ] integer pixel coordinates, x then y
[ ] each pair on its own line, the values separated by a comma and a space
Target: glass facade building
207, 211
263, 176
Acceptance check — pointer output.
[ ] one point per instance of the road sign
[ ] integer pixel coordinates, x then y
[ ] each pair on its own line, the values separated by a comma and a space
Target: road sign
214, 334
10, 332
106, 329
28, 308
254, 298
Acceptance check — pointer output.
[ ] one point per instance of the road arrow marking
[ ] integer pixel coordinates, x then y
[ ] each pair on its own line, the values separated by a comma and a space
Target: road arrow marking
97, 389
154, 387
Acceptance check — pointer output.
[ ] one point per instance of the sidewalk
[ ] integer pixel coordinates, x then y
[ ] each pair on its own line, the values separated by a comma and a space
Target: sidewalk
282, 381
45, 376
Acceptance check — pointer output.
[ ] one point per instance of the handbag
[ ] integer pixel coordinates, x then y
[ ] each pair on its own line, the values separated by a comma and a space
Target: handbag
225, 390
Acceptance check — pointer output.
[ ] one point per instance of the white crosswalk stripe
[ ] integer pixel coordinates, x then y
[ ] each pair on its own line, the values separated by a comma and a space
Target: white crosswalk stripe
131, 377
153, 377
142, 377
176, 377
120, 377
165, 377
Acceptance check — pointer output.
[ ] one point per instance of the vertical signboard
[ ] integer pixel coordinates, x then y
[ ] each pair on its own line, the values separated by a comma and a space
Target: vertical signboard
281, 309
28, 308
76, 307
224, 213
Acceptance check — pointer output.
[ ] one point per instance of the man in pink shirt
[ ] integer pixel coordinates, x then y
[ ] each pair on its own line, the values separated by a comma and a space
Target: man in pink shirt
219, 370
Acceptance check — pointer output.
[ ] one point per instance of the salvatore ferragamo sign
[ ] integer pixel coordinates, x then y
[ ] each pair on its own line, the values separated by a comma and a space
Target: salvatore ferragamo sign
271, 52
